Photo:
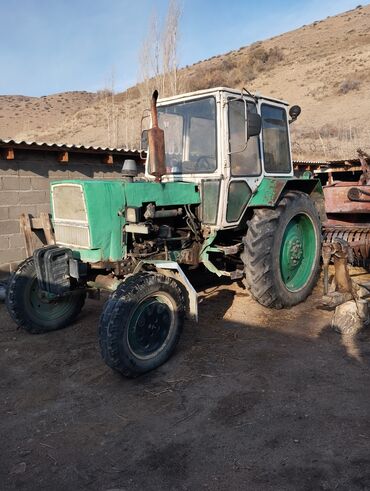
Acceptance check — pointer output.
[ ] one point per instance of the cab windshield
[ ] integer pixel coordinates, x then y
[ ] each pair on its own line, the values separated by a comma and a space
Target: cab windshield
190, 136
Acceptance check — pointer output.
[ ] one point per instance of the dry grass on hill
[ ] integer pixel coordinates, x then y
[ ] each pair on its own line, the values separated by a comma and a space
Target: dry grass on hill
324, 67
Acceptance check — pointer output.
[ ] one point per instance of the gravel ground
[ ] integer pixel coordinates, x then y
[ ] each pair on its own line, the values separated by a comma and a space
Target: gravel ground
253, 399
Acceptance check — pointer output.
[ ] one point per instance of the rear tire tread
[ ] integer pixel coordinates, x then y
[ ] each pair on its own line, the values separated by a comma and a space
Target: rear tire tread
259, 247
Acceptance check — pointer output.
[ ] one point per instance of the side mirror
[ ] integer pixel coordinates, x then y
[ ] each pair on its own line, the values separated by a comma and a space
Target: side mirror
294, 112
144, 141
254, 123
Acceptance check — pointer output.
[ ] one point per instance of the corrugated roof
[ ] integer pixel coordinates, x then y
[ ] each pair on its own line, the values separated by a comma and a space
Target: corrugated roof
309, 162
328, 162
68, 147
349, 161
132, 151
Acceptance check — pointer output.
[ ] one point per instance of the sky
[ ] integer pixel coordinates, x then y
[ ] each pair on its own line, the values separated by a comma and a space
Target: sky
51, 46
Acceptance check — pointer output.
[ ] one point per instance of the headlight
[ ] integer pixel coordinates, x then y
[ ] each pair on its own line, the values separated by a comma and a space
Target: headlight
132, 215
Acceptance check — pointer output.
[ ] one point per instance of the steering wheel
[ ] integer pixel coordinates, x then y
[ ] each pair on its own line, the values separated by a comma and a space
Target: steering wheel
207, 165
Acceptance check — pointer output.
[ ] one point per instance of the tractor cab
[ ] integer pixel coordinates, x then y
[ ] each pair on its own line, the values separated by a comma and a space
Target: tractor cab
227, 142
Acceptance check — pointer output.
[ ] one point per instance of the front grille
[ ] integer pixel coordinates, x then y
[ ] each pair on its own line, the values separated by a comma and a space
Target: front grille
72, 235
70, 217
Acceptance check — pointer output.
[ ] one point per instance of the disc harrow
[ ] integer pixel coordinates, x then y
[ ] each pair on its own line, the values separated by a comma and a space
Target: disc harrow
357, 237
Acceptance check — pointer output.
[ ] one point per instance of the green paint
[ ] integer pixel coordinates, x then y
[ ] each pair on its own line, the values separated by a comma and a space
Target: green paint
103, 201
88, 255
268, 192
297, 252
270, 189
238, 197
106, 198
204, 255
166, 194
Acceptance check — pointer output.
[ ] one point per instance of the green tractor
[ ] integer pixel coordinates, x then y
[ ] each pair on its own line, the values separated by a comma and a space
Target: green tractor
219, 192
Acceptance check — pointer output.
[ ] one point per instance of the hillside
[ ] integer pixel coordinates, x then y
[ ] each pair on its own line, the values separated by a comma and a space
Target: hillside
324, 67
22, 115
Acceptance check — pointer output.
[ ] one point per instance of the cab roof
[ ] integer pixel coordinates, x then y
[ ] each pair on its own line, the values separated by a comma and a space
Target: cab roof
219, 89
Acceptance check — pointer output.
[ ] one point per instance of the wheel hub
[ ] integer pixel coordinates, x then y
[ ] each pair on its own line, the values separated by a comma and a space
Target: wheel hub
149, 327
43, 306
295, 252
298, 252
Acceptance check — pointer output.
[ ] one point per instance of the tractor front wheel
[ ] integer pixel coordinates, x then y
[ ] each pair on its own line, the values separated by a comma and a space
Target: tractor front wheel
30, 308
282, 251
141, 323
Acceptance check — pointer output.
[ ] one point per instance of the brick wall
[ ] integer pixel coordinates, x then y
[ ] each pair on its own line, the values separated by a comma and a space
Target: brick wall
24, 188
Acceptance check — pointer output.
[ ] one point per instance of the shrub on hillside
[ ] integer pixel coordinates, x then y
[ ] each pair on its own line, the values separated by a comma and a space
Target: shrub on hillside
207, 78
258, 55
276, 54
133, 92
261, 59
104, 93
228, 64
348, 85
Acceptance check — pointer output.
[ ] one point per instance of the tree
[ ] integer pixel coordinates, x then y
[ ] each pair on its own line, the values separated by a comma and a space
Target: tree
158, 59
170, 36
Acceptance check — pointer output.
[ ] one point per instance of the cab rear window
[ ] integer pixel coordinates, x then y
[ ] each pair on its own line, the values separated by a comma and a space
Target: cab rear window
275, 140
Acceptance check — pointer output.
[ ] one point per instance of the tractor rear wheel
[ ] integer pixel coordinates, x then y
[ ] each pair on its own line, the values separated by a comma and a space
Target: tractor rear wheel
282, 251
141, 323
32, 310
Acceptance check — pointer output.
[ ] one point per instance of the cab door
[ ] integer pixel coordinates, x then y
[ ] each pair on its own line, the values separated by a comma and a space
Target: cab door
244, 158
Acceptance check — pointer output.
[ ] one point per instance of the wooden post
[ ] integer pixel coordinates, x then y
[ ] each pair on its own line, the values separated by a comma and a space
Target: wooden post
47, 227
26, 228
30, 224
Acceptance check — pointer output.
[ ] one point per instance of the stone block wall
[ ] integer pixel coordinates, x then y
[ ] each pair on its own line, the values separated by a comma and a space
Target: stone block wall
24, 188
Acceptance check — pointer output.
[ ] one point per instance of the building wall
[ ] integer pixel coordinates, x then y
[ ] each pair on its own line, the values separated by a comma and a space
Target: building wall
24, 188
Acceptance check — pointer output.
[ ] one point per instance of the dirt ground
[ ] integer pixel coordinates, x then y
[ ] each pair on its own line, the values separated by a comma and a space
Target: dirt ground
253, 399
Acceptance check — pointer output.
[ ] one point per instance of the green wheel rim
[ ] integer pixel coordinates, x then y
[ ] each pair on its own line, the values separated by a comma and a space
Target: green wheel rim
298, 252
44, 310
150, 326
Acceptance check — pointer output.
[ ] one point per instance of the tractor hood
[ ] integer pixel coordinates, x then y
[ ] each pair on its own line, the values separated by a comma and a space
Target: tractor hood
89, 215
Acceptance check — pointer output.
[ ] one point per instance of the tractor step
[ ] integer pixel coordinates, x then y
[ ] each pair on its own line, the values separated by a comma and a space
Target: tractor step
230, 250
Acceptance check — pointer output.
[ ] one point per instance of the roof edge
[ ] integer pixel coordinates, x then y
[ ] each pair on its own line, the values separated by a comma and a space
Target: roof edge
33, 145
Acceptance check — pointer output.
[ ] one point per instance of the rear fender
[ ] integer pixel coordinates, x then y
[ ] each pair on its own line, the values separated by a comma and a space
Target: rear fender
271, 188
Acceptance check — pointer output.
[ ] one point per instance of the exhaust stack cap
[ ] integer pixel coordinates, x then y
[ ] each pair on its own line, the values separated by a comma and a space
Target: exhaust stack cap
129, 168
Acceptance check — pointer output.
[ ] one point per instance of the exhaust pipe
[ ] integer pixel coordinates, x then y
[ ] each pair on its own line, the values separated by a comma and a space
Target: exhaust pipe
157, 155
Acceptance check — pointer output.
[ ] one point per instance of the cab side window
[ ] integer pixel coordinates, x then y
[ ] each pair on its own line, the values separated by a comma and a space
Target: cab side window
244, 159
275, 139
